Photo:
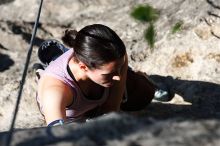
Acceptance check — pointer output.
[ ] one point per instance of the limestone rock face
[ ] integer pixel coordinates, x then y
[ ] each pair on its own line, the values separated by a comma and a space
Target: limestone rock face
122, 130
188, 62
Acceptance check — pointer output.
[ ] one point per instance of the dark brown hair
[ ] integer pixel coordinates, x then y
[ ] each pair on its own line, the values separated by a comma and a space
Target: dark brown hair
95, 45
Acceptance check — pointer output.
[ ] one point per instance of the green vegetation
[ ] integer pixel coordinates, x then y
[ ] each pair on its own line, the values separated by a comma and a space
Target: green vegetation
150, 35
177, 27
147, 14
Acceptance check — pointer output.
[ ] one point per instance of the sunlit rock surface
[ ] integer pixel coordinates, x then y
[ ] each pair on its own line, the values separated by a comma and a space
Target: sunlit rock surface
188, 62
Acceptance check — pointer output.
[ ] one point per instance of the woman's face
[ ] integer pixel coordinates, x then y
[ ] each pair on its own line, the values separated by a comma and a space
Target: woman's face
107, 74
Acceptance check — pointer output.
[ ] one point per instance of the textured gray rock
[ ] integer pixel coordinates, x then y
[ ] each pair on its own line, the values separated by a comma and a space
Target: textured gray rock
187, 61
122, 130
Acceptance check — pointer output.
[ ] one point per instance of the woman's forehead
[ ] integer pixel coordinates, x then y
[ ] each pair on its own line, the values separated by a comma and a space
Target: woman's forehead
112, 66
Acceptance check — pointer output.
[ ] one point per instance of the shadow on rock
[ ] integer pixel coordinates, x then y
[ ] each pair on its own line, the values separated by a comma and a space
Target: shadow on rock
93, 133
5, 1
24, 29
213, 4
203, 96
5, 62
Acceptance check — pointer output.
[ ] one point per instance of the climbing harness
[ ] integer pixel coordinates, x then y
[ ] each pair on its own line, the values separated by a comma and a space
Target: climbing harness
10, 134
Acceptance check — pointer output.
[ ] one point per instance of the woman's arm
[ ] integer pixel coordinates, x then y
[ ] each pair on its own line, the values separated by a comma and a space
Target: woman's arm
54, 98
116, 91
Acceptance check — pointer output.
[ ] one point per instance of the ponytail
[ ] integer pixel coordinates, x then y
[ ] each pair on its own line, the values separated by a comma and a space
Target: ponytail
69, 37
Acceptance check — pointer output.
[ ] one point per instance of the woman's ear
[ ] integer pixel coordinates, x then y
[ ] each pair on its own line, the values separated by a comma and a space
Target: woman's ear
82, 66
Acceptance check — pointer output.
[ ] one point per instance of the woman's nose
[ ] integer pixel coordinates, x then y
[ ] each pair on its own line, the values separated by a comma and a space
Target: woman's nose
116, 78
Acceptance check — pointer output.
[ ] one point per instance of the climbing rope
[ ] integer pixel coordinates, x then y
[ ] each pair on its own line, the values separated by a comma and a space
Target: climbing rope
10, 134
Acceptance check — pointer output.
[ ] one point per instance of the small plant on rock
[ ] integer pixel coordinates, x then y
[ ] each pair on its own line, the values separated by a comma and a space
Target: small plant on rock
177, 27
147, 14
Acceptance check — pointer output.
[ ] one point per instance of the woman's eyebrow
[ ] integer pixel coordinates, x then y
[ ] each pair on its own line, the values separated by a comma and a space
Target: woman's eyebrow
108, 73
116, 69
113, 71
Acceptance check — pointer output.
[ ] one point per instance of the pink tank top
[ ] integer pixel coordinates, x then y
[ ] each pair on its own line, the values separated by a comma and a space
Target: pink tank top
80, 105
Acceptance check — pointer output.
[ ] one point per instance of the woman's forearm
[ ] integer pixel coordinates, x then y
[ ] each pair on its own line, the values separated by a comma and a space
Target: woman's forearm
117, 91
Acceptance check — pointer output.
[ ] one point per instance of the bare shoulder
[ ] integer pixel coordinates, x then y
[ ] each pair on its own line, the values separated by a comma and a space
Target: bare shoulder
48, 82
50, 87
